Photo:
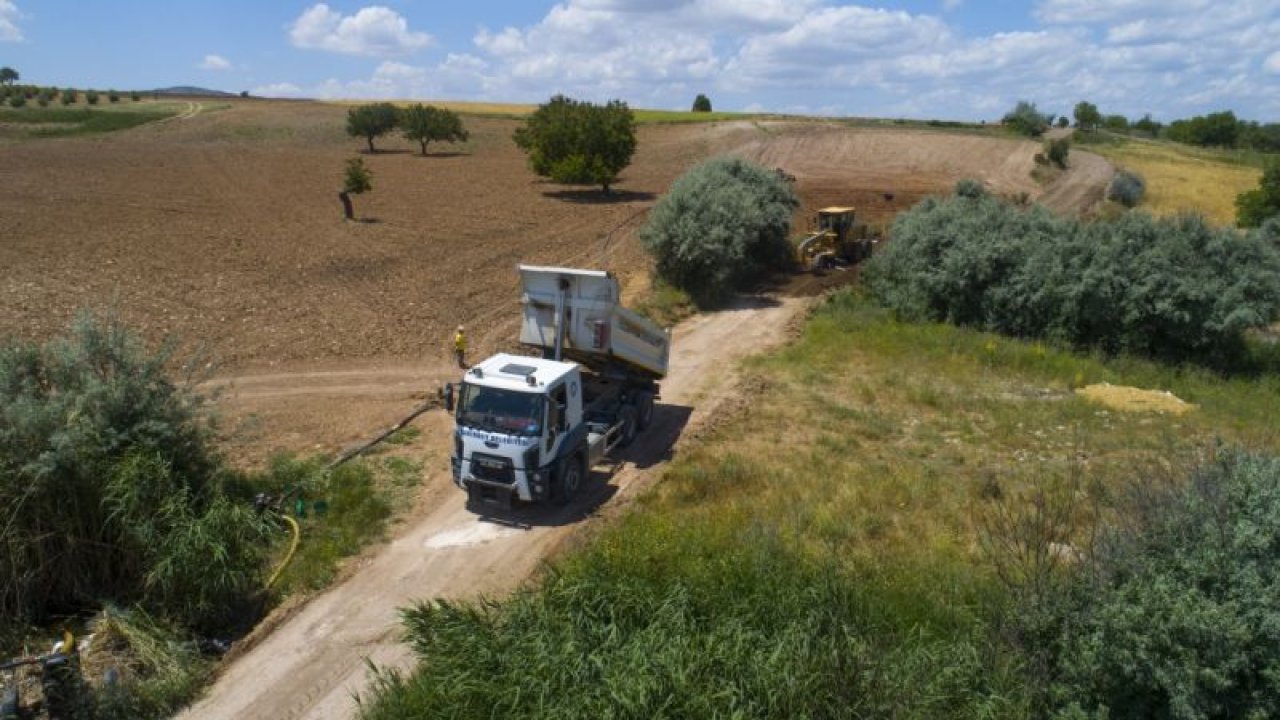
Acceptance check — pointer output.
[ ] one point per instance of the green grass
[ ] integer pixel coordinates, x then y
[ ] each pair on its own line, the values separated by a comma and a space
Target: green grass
60, 122
338, 514
821, 554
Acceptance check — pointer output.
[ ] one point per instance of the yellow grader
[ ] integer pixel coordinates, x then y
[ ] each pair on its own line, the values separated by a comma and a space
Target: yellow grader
834, 239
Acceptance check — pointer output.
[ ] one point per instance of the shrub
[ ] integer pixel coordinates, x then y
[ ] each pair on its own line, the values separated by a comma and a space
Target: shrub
121, 493
1254, 207
1057, 151
1175, 614
1171, 288
1126, 188
91, 97
1025, 119
722, 225
68, 96
135, 96
970, 188
113, 96
17, 101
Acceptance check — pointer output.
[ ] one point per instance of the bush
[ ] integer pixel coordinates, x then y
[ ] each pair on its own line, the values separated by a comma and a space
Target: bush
91, 97
1255, 206
67, 96
722, 225
121, 494
970, 188
1057, 151
1025, 119
1126, 188
113, 96
135, 96
17, 101
1173, 289
1175, 615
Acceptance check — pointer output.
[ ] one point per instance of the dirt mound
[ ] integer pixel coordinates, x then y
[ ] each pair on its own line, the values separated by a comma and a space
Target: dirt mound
1131, 399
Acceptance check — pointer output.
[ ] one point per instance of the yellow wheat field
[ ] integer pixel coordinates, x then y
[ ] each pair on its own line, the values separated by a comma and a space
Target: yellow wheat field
1184, 179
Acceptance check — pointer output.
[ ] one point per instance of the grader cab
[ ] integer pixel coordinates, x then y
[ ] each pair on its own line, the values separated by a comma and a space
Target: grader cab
835, 238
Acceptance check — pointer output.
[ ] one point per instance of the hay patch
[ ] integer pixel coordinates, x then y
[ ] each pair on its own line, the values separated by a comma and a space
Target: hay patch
1131, 399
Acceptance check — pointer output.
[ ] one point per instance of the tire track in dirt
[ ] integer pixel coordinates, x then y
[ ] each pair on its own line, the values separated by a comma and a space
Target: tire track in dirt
310, 664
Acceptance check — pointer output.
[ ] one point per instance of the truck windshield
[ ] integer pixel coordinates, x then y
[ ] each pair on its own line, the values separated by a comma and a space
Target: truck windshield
496, 410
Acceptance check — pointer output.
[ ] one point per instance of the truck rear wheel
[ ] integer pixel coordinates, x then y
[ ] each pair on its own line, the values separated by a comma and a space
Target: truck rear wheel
630, 425
568, 480
644, 409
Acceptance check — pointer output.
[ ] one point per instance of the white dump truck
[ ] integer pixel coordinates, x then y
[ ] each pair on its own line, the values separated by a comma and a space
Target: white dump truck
530, 428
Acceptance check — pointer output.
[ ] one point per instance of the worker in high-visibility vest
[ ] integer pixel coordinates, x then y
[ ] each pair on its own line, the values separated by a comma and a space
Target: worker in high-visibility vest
460, 347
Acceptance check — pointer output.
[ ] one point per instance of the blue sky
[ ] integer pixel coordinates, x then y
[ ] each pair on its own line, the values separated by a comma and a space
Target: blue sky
952, 59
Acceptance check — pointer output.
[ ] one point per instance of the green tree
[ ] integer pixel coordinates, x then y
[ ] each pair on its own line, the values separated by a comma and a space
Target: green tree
8, 76
722, 225
91, 97
113, 96
1118, 123
1220, 129
578, 143
1256, 206
424, 124
1147, 126
358, 179
372, 121
1063, 121
1025, 119
67, 96
702, 103
1087, 116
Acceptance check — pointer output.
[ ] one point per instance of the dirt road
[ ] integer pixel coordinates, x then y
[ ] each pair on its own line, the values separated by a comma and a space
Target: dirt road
311, 664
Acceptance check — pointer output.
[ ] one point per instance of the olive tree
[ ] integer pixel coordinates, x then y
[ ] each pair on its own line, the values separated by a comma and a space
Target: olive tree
427, 123
723, 225
358, 179
372, 121
575, 142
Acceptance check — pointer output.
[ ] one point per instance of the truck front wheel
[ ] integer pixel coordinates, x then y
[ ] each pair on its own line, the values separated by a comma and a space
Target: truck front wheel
568, 480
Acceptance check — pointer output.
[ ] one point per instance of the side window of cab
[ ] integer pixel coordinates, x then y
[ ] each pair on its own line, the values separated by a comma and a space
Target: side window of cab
558, 418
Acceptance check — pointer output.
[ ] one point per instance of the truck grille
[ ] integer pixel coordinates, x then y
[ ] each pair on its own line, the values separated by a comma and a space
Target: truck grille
491, 468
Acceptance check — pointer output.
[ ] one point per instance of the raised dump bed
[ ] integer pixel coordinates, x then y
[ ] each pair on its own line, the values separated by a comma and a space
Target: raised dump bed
598, 331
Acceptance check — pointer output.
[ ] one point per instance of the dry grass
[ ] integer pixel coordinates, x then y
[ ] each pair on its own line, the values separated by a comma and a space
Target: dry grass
1181, 179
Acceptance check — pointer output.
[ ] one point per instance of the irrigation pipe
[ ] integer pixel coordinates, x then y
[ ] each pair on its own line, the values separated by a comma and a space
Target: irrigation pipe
293, 548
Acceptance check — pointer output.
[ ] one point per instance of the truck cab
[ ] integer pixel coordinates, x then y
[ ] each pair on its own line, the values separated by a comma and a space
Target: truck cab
513, 421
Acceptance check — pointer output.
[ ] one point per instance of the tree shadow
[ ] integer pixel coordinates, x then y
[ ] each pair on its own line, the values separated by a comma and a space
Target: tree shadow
442, 154
366, 220
387, 151
598, 197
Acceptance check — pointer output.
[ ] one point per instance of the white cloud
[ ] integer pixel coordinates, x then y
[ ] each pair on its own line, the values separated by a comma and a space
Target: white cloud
1168, 57
375, 31
9, 16
1272, 64
215, 62
280, 89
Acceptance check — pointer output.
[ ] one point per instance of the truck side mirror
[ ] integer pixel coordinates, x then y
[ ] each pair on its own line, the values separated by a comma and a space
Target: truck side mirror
446, 396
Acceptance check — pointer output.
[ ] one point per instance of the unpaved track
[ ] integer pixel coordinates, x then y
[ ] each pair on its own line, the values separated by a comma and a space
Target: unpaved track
313, 662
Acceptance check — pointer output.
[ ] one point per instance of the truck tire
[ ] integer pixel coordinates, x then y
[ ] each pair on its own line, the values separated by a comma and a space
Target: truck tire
630, 425
569, 478
644, 409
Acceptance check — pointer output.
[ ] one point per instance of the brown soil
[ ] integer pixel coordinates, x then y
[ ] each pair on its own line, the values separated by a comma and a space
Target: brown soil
224, 228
